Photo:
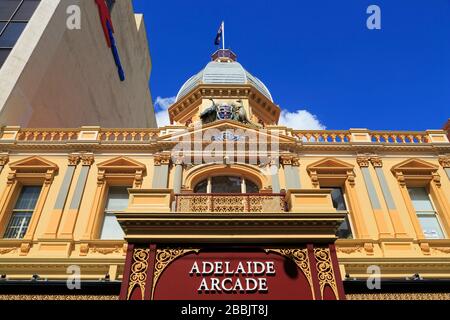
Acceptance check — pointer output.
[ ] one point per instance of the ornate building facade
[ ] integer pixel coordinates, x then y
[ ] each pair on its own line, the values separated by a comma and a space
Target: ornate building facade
222, 191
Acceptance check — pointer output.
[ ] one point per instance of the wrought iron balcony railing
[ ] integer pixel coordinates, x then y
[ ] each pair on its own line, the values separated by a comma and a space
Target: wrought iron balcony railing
231, 203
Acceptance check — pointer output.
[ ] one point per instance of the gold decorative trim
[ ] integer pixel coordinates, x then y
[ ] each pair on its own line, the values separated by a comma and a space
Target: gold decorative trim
163, 258
301, 259
139, 268
325, 271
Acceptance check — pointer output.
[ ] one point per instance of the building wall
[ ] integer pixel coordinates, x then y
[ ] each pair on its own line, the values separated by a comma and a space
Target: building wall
56, 77
379, 242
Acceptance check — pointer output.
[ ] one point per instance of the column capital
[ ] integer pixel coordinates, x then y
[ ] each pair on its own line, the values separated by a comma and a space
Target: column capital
178, 160
363, 161
289, 159
73, 159
445, 161
376, 162
162, 159
87, 159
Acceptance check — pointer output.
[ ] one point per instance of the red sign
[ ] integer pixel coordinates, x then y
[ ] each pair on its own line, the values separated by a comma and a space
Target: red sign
233, 276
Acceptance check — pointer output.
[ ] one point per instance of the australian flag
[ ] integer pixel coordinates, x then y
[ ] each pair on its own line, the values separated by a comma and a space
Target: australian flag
219, 35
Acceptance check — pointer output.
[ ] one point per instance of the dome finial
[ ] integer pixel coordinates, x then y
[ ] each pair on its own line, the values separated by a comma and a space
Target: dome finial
224, 55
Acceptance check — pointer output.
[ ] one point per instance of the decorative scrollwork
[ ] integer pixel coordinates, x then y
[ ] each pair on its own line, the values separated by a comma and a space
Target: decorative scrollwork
300, 257
163, 258
139, 268
349, 250
325, 271
106, 251
231, 203
442, 249
7, 250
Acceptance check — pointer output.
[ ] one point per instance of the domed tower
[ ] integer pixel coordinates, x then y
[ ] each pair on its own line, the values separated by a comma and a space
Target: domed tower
227, 90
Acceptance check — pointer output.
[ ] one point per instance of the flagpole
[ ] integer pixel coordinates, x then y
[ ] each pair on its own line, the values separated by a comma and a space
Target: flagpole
223, 35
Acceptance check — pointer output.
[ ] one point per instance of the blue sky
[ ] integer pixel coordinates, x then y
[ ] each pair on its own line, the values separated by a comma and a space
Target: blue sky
317, 56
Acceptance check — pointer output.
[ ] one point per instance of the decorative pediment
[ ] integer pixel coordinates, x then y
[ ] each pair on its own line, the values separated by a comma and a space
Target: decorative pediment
415, 166
33, 164
331, 171
121, 169
416, 170
121, 164
330, 164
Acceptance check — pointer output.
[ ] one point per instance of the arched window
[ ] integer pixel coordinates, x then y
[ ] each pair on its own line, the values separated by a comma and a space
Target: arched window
226, 184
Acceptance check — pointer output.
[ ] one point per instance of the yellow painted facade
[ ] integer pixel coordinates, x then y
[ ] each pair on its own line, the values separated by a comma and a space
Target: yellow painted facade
163, 169
57, 238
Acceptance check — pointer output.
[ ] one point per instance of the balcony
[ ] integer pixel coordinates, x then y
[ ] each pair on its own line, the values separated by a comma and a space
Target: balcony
231, 203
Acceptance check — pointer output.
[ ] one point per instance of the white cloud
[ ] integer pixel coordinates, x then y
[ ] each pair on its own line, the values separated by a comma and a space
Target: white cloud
300, 120
161, 107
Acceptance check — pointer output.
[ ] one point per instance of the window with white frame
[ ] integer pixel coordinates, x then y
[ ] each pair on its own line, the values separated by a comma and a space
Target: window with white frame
22, 212
426, 213
117, 201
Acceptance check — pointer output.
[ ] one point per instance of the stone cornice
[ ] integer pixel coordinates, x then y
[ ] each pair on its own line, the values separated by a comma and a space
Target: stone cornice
235, 228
